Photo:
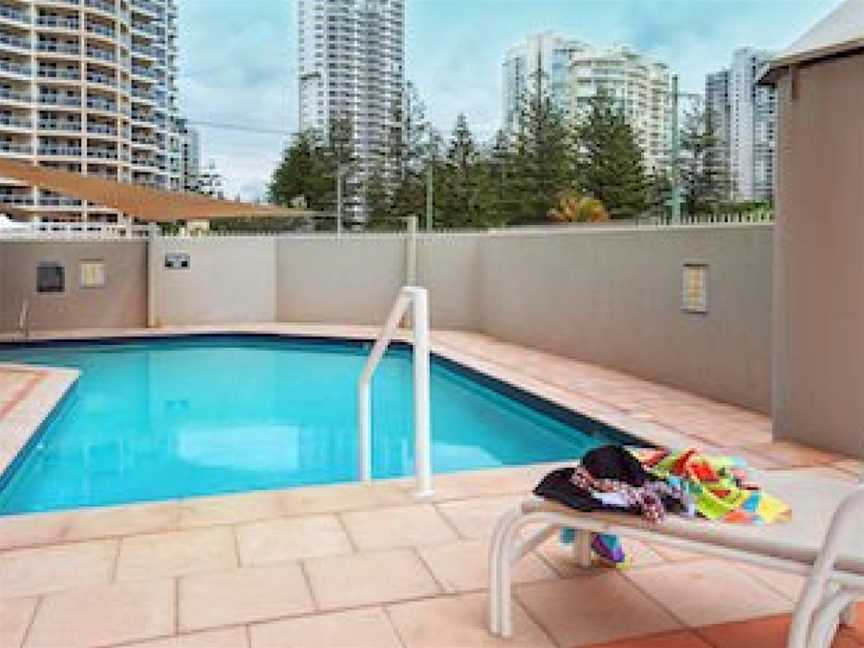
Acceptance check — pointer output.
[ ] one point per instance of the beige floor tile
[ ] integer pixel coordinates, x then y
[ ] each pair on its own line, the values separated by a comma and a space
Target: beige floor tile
708, 592
223, 638
160, 555
676, 555
367, 628
404, 526
561, 556
788, 585
476, 518
286, 539
460, 621
592, 608
104, 615
463, 566
25, 572
229, 509
243, 595
31, 530
15, 617
123, 520
369, 578
340, 498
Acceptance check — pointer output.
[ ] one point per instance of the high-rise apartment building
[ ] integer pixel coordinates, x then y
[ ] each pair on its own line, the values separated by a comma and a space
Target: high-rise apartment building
751, 135
190, 156
544, 57
719, 107
88, 86
573, 72
351, 68
638, 84
753, 127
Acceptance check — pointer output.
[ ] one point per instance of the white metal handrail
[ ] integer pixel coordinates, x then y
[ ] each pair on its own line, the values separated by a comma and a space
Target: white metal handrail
418, 299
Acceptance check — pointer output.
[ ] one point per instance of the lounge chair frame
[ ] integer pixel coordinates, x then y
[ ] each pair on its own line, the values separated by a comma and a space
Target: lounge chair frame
828, 597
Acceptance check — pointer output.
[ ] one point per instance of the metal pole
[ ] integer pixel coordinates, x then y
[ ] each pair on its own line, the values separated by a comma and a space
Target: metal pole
676, 151
339, 201
422, 434
430, 187
411, 252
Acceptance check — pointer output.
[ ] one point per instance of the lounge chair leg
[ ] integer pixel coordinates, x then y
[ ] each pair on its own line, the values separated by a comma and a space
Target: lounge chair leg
850, 614
500, 552
582, 548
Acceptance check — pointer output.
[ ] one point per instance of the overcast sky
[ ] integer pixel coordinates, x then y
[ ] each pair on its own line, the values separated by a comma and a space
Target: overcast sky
238, 58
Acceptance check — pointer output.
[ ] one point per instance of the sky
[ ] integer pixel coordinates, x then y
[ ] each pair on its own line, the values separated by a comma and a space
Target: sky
238, 58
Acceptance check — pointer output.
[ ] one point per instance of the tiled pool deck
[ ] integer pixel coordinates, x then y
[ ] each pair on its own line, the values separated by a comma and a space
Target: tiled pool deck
368, 566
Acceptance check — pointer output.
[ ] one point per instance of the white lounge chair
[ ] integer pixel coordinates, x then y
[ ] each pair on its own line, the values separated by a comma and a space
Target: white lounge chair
824, 541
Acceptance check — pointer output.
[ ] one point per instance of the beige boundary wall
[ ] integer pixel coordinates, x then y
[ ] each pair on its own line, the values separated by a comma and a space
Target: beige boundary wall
610, 296
121, 303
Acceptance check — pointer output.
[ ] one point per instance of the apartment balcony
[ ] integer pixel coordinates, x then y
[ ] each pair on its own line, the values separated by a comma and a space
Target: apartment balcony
145, 7
14, 123
144, 51
48, 47
11, 41
59, 126
8, 149
11, 14
59, 75
58, 201
21, 70
19, 200
49, 150
101, 104
58, 22
102, 129
16, 96
103, 6
102, 154
60, 100
102, 79
101, 54
62, 3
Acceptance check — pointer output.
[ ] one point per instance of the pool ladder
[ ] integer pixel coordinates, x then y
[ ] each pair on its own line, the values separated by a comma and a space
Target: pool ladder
24, 319
418, 300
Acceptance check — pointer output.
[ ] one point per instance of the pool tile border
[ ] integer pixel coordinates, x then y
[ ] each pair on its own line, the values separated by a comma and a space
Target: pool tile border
22, 418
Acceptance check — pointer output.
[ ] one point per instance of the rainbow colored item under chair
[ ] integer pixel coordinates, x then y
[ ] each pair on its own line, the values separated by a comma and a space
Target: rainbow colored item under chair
718, 486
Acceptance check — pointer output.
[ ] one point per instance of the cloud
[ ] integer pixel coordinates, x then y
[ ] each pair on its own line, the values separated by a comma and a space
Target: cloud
238, 58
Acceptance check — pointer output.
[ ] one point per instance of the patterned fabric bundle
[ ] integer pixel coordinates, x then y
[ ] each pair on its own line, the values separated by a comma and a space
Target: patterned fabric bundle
718, 486
646, 498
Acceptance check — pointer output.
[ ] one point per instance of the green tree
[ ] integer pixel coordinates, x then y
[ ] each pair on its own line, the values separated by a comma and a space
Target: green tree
610, 159
540, 158
301, 173
704, 178
457, 186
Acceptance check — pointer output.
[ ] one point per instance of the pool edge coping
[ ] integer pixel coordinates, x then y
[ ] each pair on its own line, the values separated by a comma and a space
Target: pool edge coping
23, 421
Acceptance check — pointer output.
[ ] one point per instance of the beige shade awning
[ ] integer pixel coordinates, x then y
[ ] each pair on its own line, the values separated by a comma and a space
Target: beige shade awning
140, 202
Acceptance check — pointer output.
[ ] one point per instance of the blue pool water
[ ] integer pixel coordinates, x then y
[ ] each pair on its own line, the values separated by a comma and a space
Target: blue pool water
168, 418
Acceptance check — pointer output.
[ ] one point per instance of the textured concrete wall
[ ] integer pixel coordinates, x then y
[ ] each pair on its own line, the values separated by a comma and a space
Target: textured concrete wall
121, 303
819, 290
613, 297
352, 280
230, 280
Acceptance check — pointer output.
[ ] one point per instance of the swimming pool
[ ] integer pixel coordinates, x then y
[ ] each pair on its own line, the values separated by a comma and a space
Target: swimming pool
164, 418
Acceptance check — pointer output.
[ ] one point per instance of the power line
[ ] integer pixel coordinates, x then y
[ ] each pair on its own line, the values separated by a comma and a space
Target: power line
239, 127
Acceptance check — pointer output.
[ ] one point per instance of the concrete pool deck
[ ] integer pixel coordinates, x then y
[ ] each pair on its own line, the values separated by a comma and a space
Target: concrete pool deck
369, 566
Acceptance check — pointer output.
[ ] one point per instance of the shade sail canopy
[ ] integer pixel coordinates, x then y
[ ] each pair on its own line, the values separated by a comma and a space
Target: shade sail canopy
137, 201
